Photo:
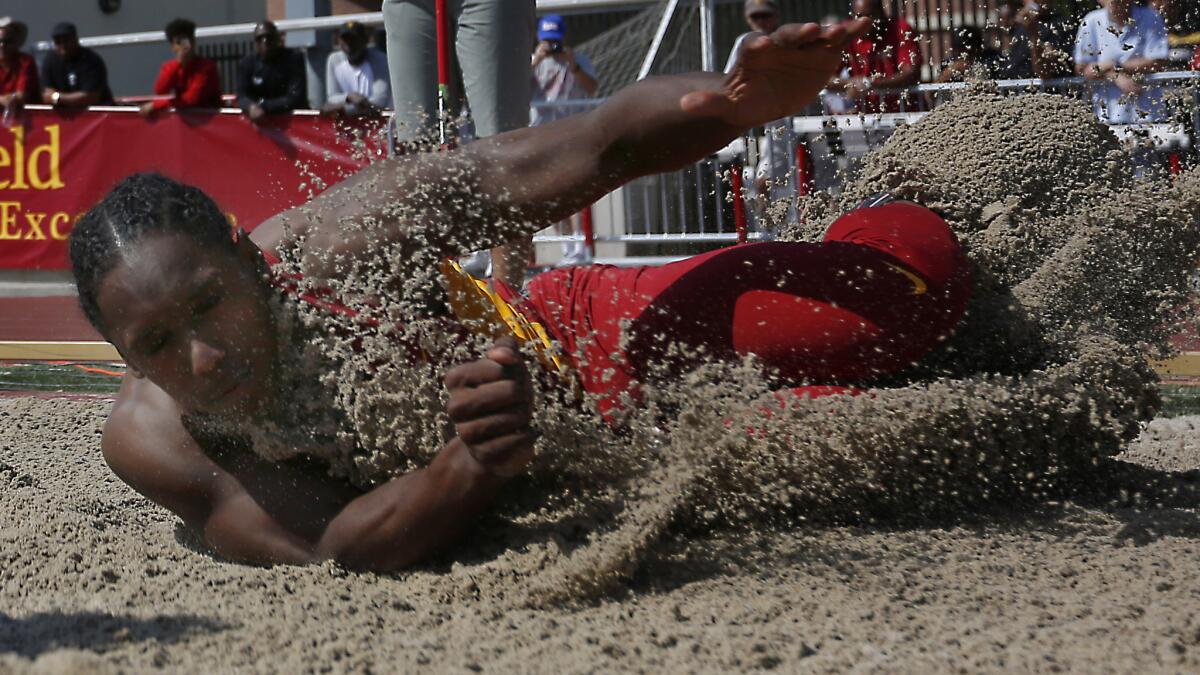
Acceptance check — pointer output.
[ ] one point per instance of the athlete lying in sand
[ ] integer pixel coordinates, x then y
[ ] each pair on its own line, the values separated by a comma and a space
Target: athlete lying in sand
187, 307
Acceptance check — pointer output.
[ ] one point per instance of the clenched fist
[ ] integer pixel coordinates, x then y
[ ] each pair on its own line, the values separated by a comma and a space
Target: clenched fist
491, 405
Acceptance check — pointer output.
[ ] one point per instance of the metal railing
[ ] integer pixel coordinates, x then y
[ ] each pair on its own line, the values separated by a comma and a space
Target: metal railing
672, 215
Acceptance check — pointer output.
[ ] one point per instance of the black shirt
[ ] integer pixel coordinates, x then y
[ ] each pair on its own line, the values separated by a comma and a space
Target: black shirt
86, 73
278, 84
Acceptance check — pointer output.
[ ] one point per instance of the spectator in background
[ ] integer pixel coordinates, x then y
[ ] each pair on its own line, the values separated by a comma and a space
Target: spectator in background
888, 56
1196, 59
774, 177
271, 79
18, 72
72, 76
968, 51
1181, 43
762, 16
490, 42
1034, 41
191, 80
560, 74
1116, 46
356, 75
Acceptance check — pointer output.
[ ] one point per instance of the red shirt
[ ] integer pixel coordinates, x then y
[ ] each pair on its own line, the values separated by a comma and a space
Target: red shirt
196, 85
896, 48
22, 77
1196, 60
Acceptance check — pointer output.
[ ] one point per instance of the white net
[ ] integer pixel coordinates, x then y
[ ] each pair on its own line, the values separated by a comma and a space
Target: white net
618, 53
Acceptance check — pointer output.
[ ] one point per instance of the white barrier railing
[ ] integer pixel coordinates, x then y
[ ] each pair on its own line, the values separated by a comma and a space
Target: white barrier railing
674, 215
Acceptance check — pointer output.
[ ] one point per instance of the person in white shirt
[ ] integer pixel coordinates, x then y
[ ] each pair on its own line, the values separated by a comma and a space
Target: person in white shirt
1116, 45
774, 178
356, 76
560, 74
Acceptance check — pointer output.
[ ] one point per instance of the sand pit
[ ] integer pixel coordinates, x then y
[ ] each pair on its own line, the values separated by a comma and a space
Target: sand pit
968, 513
93, 579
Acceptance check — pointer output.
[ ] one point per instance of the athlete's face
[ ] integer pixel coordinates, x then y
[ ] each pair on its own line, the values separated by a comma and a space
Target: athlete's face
194, 321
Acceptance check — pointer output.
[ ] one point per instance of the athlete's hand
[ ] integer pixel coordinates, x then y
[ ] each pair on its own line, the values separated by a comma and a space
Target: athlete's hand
776, 75
491, 404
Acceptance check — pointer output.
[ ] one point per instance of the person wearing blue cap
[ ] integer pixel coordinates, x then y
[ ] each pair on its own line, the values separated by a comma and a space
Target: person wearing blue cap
560, 74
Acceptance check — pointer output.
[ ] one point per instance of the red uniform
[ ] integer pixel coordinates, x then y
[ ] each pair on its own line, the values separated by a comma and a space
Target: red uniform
896, 47
1196, 60
886, 285
196, 85
20, 76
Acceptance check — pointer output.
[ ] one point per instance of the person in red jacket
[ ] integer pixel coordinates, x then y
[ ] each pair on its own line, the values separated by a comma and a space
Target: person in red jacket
18, 72
190, 79
887, 56
1196, 60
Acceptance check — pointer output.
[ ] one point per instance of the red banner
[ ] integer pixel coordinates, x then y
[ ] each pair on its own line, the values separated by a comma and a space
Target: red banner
54, 167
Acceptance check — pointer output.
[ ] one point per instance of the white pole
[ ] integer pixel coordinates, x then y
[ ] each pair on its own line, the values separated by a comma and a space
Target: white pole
707, 44
659, 34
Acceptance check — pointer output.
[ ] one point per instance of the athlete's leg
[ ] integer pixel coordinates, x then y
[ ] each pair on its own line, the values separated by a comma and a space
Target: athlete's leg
886, 285
883, 289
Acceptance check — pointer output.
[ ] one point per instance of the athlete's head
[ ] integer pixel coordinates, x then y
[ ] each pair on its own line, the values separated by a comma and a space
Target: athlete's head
161, 277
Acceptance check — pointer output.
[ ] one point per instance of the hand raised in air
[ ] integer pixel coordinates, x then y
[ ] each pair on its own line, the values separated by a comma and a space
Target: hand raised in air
778, 74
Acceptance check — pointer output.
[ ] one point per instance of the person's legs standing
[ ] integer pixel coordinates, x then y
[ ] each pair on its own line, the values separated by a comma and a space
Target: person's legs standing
494, 41
412, 62
493, 44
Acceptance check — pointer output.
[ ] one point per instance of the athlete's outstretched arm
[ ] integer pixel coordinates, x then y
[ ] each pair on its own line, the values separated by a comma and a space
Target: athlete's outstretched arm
511, 184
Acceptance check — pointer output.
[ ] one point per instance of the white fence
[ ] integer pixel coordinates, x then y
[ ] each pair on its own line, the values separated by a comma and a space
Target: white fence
667, 216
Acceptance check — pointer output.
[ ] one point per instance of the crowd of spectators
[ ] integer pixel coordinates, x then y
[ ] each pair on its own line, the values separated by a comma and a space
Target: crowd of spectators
1113, 48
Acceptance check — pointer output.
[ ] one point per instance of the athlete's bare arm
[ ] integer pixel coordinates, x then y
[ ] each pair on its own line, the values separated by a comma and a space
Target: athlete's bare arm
549, 172
292, 512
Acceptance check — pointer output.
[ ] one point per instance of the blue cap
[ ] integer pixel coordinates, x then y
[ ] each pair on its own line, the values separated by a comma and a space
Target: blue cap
550, 27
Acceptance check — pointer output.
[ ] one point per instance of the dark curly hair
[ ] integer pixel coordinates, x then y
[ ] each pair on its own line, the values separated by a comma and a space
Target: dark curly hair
144, 203
180, 28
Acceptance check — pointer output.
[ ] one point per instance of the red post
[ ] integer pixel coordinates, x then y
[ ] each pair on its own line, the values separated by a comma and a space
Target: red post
1176, 166
443, 71
739, 203
804, 169
585, 224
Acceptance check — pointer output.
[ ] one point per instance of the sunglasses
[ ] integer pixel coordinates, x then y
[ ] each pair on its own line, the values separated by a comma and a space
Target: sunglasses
762, 16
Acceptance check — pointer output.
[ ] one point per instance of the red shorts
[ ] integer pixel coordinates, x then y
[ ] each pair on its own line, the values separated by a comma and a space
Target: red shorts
886, 285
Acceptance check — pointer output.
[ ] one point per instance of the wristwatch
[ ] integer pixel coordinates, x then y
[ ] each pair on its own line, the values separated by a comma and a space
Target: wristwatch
54, 97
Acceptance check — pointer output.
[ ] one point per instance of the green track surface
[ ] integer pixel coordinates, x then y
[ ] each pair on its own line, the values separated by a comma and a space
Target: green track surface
1180, 399
64, 378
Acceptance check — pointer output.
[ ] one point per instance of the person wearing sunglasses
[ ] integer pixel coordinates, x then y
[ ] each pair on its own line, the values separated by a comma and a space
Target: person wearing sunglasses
270, 79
